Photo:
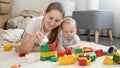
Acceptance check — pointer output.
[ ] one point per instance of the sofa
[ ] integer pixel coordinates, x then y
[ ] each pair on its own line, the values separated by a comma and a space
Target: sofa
5, 12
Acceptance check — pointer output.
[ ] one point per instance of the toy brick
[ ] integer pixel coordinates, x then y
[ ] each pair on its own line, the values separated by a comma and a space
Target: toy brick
44, 54
105, 52
99, 52
87, 49
82, 61
116, 58
52, 47
22, 54
68, 51
52, 53
112, 50
53, 59
79, 50
8, 47
108, 61
92, 56
44, 58
60, 54
44, 48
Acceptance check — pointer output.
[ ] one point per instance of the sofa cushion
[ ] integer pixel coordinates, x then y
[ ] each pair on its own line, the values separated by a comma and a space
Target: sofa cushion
5, 8
5, 1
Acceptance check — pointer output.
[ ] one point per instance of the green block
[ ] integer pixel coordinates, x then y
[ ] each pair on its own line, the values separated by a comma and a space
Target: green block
92, 56
44, 58
79, 50
44, 48
53, 59
116, 59
105, 52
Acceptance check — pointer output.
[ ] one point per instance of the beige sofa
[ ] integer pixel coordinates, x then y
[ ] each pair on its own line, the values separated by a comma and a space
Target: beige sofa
5, 12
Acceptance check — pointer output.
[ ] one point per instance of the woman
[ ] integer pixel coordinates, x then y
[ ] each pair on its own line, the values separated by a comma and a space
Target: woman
47, 25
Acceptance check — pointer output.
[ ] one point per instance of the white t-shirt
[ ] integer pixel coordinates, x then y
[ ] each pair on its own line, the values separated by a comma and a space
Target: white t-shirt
34, 25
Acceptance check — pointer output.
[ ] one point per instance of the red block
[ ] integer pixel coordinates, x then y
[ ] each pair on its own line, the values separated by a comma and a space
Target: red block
59, 54
82, 61
52, 47
68, 51
22, 54
99, 52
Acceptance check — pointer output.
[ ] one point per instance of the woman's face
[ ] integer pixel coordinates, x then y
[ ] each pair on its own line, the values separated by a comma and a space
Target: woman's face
52, 20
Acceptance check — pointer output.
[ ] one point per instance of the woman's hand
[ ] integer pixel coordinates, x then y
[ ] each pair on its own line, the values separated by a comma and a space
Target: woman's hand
38, 37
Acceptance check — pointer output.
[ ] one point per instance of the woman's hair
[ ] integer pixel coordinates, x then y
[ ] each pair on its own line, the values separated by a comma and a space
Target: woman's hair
54, 33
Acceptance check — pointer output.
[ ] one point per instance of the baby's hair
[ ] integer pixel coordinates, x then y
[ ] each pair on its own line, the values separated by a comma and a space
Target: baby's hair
69, 21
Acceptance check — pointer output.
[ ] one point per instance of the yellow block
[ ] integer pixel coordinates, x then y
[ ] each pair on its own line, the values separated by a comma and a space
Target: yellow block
108, 61
44, 54
8, 47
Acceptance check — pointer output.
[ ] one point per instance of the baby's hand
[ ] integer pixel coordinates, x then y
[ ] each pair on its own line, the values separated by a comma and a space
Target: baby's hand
71, 47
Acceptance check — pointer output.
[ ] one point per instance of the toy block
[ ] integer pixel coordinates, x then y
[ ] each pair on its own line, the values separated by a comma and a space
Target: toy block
66, 60
92, 56
82, 61
44, 54
22, 54
8, 47
52, 47
52, 53
88, 61
68, 51
108, 61
87, 49
53, 59
99, 52
44, 58
44, 41
112, 50
116, 58
79, 50
60, 54
15, 66
105, 52
44, 48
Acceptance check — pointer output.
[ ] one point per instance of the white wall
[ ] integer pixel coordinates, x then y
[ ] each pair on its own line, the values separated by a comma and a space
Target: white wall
38, 5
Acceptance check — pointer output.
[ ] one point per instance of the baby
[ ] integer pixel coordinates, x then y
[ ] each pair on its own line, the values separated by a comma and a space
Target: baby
68, 38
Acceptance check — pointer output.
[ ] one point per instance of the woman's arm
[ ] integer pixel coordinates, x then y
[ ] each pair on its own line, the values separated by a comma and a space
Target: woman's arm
27, 44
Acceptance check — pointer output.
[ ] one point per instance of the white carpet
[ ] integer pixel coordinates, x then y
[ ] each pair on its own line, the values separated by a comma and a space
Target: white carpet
7, 59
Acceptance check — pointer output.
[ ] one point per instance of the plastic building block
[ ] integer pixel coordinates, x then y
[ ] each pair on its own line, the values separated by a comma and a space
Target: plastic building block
44, 48
82, 61
112, 50
53, 59
44, 54
52, 47
105, 52
68, 51
116, 58
8, 47
52, 53
22, 54
44, 58
60, 54
99, 52
66, 60
92, 56
79, 50
15, 66
87, 49
108, 61
44, 41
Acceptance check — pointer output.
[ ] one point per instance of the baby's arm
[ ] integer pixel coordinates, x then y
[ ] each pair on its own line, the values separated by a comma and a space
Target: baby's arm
60, 46
75, 46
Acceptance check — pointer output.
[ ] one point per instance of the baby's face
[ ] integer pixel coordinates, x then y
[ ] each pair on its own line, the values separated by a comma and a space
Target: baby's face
69, 31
